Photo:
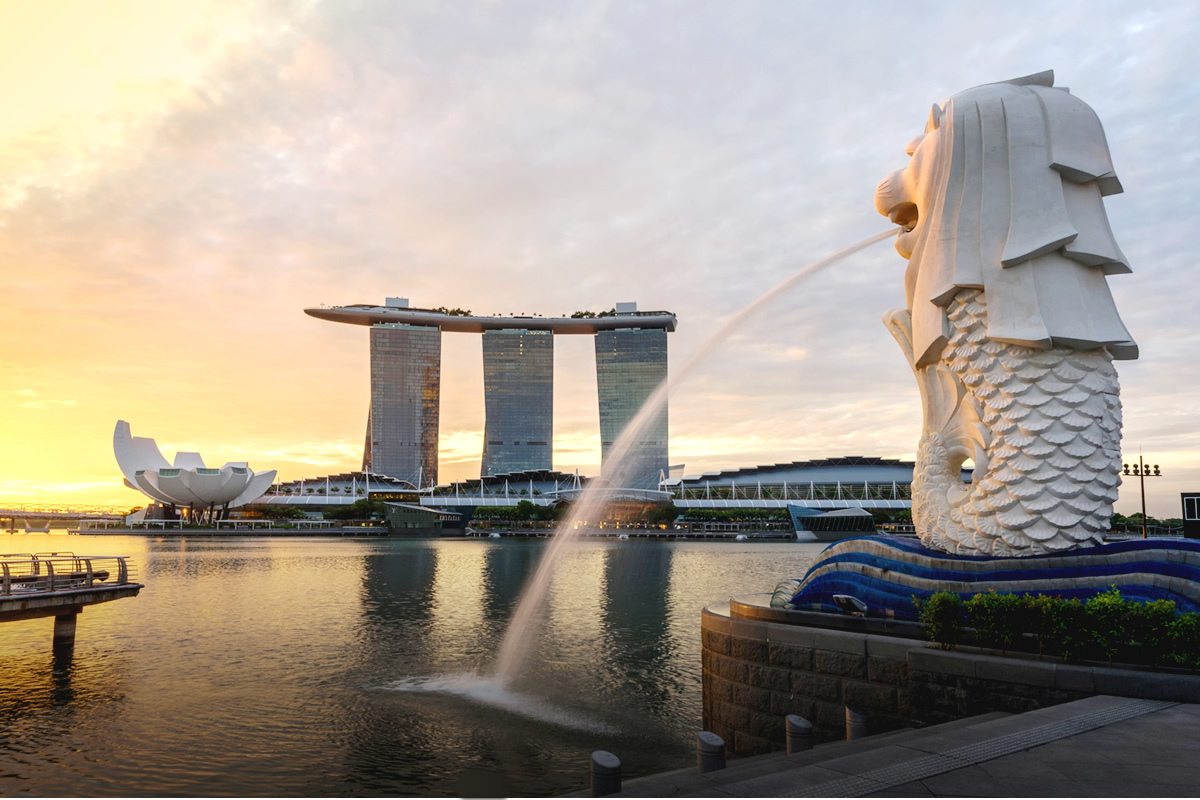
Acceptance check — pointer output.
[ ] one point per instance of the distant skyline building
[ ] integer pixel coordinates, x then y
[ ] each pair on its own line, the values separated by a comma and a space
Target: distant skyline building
518, 397
630, 365
187, 487
402, 426
518, 365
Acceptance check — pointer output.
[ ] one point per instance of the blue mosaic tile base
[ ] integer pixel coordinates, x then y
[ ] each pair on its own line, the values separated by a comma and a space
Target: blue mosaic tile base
886, 572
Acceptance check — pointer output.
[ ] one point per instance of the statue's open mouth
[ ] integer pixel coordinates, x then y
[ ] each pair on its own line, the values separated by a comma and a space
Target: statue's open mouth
905, 215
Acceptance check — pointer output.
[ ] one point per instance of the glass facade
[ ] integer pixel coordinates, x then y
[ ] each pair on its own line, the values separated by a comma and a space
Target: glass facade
630, 364
518, 393
406, 369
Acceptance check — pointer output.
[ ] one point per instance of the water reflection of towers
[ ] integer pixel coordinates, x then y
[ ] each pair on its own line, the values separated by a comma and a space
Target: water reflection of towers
637, 579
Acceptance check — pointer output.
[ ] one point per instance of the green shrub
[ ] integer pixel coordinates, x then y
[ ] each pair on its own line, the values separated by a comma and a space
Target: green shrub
1069, 635
1150, 626
1107, 619
1108, 626
997, 618
942, 616
1184, 639
1038, 613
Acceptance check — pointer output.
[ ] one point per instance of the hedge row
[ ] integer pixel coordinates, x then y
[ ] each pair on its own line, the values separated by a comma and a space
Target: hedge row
1105, 628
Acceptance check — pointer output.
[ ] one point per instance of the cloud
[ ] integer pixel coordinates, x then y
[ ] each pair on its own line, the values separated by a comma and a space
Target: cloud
46, 403
544, 158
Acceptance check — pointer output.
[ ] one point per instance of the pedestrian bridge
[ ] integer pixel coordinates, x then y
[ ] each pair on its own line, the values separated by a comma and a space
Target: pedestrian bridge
53, 512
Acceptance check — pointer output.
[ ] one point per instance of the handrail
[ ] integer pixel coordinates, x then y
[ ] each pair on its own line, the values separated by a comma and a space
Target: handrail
39, 574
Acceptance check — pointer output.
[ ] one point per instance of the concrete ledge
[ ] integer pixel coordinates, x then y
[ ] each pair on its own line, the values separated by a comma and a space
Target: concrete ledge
892, 648
1149, 685
946, 662
716, 618
758, 607
1074, 678
1013, 670
748, 629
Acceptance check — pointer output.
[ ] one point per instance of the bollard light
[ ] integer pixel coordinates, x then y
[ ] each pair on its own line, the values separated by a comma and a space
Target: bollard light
606, 773
799, 733
710, 752
856, 723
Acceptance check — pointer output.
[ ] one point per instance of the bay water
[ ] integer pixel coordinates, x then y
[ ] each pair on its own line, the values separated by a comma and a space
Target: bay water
335, 666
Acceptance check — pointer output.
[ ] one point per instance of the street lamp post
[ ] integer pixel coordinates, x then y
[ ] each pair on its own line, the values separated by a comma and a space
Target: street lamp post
1142, 471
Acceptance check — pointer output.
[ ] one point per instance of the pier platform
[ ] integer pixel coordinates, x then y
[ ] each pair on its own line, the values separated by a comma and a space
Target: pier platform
59, 585
1102, 746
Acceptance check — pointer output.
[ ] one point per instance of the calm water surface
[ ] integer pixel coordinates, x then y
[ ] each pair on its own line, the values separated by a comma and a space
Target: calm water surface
271, 666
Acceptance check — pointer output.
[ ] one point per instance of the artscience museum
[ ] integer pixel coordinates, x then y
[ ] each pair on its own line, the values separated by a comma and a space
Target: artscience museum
187, 487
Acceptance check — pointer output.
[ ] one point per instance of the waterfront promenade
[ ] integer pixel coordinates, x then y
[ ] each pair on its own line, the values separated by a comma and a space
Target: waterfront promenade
1101, 746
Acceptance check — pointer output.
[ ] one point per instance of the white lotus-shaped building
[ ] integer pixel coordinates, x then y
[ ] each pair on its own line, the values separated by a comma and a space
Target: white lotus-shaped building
187, 483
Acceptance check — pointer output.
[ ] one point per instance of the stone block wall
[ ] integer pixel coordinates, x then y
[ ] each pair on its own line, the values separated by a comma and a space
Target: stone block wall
756, 672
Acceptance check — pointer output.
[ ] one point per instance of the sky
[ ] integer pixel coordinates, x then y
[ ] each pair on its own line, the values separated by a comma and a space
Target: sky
178, 181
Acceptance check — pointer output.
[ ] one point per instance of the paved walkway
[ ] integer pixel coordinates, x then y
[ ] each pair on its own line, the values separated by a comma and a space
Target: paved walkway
1097, 747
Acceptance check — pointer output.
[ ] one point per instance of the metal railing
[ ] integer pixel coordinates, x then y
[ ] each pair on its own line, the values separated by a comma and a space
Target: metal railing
42, 573
61, 510
146, 524
796, 491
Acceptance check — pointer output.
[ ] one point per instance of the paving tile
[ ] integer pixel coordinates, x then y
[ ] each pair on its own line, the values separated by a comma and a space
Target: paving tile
911, 789
966, 782
1184, 709
1133, 775
860, 763
780, 784
1022, 764
1073, 750
1120, 752
1025, 787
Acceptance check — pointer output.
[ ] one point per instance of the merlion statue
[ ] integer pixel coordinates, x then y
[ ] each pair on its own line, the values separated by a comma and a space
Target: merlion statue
1010, 327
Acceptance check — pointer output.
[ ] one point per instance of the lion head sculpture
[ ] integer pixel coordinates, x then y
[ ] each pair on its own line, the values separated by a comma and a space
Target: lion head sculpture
1004, 192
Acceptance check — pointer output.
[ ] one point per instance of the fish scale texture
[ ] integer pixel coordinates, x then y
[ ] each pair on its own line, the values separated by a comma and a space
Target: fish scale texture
1053, 425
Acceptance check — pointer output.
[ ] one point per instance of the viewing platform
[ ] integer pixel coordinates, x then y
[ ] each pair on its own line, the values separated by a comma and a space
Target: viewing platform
1101, 746
59, 585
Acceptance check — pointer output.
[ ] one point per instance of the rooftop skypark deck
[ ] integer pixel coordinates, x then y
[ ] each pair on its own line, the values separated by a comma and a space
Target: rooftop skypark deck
364, 314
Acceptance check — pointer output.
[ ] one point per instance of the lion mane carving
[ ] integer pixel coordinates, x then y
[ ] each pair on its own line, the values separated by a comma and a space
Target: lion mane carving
1010, 327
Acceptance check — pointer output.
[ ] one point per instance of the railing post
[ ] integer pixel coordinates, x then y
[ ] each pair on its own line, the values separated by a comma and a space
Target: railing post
88, 562
122, 571
7, 578
50, 572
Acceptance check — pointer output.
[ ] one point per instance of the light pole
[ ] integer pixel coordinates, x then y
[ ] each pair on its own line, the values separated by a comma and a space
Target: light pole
1142, 471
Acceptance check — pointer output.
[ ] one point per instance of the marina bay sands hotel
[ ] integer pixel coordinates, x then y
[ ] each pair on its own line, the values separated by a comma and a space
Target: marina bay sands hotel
518, 385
